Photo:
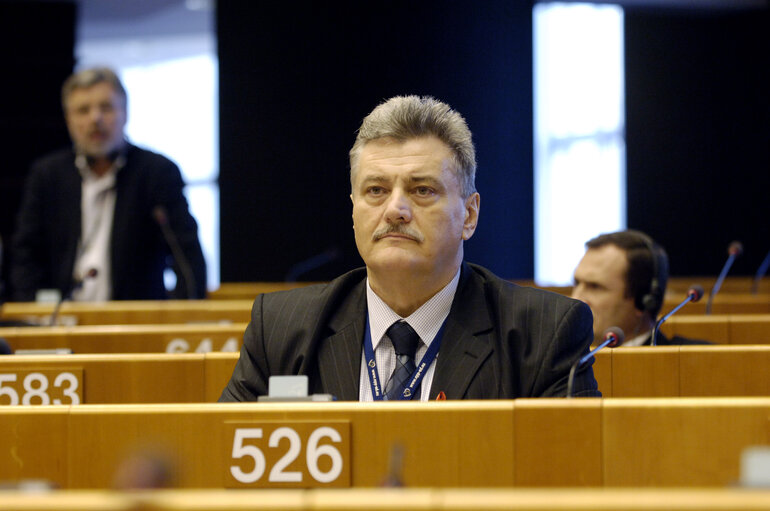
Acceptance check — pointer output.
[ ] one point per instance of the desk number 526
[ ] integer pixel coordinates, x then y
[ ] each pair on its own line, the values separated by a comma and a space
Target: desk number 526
323, 461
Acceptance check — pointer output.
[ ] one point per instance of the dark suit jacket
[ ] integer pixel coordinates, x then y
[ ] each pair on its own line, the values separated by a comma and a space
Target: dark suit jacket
48, 228
500, 340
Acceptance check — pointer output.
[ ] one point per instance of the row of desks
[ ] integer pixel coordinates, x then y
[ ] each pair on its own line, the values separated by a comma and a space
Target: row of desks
739, 329
420, 499
687, 371
676, 286
196, 311
676, 442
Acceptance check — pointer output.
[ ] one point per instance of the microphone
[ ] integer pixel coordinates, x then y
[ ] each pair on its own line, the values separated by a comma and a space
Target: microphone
733, 251
76, 284
694, 294
394, 478
613, 337
161, 217
760, 273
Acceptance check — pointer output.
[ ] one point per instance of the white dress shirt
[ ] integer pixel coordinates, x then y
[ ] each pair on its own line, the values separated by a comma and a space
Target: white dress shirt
426, 321
97, 208
639, 340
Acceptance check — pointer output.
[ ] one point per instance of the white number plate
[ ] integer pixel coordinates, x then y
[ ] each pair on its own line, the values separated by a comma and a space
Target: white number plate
288, 454
41, 387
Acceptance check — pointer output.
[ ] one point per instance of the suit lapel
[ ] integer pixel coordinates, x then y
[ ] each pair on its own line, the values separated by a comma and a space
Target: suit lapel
70, 194
339, 353
466, 342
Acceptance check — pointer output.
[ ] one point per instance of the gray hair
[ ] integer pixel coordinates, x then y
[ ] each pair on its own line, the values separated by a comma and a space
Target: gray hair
89, 77
406, 117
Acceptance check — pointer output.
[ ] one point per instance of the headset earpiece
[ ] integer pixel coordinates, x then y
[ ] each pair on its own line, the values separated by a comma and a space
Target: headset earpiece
652, 300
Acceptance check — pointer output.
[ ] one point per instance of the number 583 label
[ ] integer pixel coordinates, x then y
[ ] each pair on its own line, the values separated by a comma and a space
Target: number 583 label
41, 387
288, 454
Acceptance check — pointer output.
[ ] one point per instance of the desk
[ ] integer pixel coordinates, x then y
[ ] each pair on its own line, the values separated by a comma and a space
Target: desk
397, 499
132, 312
724, 303
721, 328
686, 371
462, 444
664, 371
201, 338
732, 284
123, 378
249, 290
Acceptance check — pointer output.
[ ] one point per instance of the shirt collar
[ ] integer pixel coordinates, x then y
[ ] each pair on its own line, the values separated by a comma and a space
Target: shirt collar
426, 320
81, 162
639, 340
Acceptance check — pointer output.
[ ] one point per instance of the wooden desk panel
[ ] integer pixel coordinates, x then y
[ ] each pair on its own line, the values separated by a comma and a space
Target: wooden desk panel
724, 371
645, 371
128, 338
749, 329
132, 312
641, 442
34, 443
732, 284
722, 329
663, 371
567, 433
218, 367
395, 499
250, 290
461, 438
724, 303
116, 379
680, 442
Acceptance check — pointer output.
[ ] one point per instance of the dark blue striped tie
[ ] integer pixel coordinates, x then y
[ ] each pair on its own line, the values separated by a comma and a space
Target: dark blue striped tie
405, 341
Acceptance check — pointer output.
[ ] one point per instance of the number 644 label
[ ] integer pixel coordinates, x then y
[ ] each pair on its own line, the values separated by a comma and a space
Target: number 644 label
284, 454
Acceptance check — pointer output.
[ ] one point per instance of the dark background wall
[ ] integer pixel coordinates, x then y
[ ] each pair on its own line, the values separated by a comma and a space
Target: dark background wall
37, 41
296, 78
698, 134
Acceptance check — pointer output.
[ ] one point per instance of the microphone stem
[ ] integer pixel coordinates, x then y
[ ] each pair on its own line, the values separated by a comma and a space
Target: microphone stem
720, 279
55, 314
760, 273
654, 341
578, 363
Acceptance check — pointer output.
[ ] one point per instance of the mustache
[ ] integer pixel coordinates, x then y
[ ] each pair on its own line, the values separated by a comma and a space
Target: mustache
402, 229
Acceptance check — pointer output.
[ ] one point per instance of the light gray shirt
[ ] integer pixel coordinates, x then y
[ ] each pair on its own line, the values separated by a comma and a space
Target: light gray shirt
426, 321
97, 208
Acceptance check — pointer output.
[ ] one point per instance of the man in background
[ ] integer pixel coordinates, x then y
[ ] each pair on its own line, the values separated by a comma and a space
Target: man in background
418, 322
100, 221
623, 277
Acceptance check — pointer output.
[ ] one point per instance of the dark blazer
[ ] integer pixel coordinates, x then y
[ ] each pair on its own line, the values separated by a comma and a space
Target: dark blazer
500, 340
48, 228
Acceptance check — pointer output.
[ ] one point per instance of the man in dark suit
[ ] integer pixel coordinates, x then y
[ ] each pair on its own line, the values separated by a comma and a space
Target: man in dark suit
623, 277
418, 322
89, 222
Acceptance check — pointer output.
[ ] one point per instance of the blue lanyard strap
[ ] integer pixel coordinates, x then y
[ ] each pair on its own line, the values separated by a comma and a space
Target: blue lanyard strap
419, 372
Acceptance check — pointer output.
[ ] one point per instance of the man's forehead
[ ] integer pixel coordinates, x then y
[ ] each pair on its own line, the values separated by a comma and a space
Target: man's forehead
99, 89
414, 155
608, 261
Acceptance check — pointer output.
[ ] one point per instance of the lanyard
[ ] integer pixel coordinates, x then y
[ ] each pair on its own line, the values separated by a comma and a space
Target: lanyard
414, 381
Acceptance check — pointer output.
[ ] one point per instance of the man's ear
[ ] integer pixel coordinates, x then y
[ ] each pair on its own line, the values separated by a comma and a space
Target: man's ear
471, 215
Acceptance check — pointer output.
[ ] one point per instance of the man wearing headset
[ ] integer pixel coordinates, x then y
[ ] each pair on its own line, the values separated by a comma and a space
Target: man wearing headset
623, 277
